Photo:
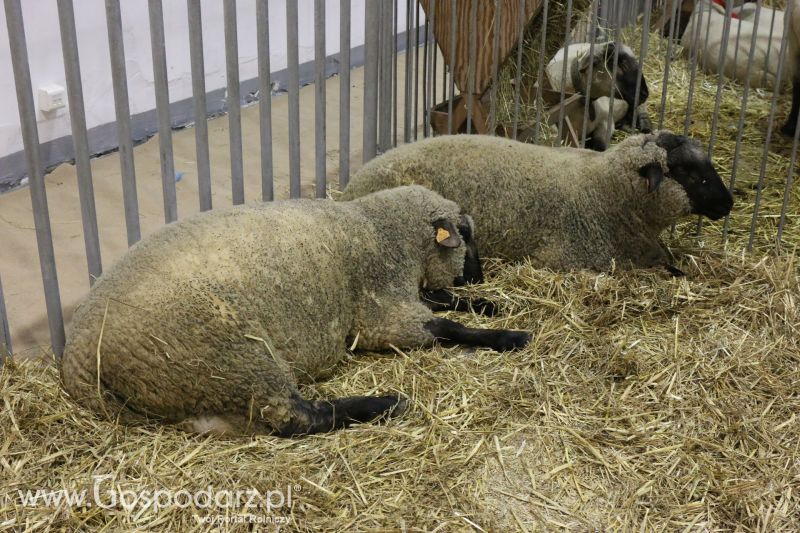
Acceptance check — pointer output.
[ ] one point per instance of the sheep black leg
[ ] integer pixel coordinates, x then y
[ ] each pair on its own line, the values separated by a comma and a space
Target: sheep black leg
444, 300
497, 339
323, 416
675, 271
791, 122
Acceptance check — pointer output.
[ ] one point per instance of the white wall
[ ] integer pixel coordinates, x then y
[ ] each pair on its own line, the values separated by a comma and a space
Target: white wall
46, 63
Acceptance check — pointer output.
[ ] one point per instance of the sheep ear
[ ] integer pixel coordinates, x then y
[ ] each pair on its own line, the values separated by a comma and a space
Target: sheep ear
446, 233
654, 174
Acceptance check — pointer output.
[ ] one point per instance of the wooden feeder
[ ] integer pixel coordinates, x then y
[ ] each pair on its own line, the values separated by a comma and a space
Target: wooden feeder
484, 29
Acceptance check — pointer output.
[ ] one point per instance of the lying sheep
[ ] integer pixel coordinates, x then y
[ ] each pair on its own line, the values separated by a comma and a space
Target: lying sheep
212, 321
582, 58
793, 64
564, 208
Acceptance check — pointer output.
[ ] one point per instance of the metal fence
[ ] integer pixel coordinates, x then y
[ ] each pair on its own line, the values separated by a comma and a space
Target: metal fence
430, 84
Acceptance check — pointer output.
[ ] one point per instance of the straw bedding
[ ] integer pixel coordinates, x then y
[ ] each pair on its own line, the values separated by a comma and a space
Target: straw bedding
643, 403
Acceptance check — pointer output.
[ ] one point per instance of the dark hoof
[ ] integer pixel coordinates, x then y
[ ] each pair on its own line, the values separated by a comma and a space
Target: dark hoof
484, 307
788, 130
512, 340
675, 271
383, 408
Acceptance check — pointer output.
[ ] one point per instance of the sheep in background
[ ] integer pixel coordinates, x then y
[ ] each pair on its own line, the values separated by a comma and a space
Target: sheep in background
579, 58
212, 321
564, 208
705, 29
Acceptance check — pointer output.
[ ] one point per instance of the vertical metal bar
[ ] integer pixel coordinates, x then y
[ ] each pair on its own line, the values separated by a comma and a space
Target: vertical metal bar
319, 93
721, 61
704, 61
518, 75
407, 99
234, 101
665, 79
371, 52
199, 96
698, 23
736, 49
471, 61
293, 58
742, 112
588, 96
540, 75
770, 128
416, 73
612, 95
765, 66
642, 54
432, 78
344, 93
5, 331
498, 17
265, 100
451, 97
564, 70
30, 140
435, 70
385, 77
395, 78
161, 85
80, 140
425, 70
119, 80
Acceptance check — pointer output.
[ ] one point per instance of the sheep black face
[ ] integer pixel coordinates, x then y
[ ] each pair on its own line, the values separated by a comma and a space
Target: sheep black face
625, 77
690, 166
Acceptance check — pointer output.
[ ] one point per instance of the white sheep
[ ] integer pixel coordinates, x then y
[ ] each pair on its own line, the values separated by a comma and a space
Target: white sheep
581, 58
212, 321
564, 208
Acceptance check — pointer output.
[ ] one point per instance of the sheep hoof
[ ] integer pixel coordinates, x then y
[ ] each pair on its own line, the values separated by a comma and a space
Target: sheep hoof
508, 340
484, 307
377, 408
675, 271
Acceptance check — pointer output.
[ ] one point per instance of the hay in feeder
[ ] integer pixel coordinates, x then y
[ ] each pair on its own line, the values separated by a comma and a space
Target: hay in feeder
644, 402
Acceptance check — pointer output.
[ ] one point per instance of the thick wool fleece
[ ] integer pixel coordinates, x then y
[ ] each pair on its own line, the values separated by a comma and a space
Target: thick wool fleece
564, 208
221, 314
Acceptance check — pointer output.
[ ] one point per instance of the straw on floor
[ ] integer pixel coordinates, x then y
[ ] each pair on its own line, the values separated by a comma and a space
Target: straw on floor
644, 401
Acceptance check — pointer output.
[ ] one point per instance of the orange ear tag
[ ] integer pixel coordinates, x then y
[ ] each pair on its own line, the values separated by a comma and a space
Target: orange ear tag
442, 235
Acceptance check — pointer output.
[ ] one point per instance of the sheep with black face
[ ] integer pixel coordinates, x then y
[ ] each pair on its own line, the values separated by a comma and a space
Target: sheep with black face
590, 71
564, 208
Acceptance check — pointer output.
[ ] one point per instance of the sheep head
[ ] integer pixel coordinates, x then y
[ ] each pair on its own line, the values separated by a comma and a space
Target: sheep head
690, 166
604, 77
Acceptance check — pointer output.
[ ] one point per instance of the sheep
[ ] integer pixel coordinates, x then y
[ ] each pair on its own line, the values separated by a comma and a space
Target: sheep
579, 58
563, 208
211, 322
704, 31
793, 62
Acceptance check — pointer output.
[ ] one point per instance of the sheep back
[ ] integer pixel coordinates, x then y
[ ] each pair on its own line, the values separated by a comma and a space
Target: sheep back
564, 208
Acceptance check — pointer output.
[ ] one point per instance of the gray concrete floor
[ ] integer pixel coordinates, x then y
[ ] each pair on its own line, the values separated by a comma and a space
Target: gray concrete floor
19, 264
